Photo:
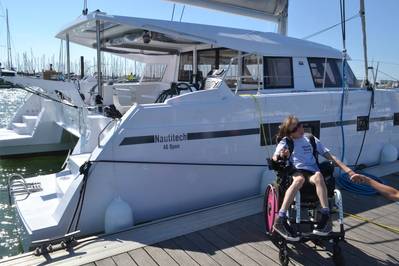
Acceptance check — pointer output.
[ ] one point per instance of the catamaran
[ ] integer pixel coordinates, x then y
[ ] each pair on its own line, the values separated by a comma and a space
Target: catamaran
198, 133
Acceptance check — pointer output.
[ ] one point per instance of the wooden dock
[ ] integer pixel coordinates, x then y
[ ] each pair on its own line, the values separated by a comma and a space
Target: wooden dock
239, 241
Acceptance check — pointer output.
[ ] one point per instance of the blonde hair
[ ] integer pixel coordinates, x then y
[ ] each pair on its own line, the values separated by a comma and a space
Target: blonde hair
284, 128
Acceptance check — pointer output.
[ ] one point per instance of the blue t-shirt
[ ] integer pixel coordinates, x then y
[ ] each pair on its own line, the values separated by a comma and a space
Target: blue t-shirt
302, 156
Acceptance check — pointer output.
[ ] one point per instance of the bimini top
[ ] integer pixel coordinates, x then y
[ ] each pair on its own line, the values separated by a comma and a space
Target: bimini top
129, 36
270, 10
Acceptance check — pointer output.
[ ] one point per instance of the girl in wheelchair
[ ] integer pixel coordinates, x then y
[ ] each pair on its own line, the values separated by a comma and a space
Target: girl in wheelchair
301, 151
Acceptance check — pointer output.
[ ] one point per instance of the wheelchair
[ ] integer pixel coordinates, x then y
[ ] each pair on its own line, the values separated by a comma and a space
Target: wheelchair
304, 212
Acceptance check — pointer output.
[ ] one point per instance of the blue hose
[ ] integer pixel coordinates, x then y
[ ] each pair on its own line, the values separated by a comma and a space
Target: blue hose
344, 182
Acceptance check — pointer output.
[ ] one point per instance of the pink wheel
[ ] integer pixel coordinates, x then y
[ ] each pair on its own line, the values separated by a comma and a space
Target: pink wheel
270, 207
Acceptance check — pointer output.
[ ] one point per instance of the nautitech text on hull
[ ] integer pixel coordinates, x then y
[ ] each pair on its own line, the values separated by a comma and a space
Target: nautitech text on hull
207, 143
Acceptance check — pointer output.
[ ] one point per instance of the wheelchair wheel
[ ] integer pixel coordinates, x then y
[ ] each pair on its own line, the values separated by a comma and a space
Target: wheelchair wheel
270, 207
283, 255
337, 255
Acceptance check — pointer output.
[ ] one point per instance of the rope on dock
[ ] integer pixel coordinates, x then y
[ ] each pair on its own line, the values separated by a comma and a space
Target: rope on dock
392, 229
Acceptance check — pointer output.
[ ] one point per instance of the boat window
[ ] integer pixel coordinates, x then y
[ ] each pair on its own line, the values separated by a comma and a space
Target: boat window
218, 58
325, 72
351, 79
225, 56
278, 72
250, 70
186, 67
207, 61
153, 72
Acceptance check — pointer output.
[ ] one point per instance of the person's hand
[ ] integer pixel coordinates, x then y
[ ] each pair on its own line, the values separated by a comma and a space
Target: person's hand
284, 153
359, 179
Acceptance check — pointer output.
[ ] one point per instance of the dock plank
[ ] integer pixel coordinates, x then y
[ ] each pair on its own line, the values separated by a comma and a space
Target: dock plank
179, 255
160, 256
106, 262
228, 249
243, 246
259, 240
191, 249
124, 259
256, 225
141, 257
208, 248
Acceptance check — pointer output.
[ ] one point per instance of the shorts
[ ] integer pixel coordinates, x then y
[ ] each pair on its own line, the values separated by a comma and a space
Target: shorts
305, 173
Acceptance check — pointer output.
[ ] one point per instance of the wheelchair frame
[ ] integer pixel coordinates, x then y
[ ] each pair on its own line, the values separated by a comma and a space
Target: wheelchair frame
273, 201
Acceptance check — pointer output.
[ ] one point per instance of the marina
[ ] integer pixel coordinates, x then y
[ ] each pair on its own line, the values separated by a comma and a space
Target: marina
227, 146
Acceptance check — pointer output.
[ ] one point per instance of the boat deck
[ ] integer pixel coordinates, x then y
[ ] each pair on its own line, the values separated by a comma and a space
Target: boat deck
242, 241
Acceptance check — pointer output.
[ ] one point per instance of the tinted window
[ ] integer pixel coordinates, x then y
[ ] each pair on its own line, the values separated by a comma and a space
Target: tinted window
218, 58
186, 67
325, 72
351, 79
278, 72
225, 56
206, 61
250, 69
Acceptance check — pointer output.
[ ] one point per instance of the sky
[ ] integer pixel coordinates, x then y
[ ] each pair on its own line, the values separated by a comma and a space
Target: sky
33, 25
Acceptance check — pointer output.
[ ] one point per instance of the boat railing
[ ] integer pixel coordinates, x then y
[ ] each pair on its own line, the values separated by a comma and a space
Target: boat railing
111, 122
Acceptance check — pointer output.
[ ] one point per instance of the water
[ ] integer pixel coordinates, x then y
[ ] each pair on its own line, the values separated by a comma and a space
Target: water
10, 233
10, 101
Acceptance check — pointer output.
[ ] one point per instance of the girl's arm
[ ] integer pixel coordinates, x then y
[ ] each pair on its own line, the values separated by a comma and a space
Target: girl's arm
340, 164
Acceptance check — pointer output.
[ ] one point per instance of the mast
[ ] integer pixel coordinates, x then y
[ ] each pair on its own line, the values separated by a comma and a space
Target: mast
9, 57
363, 17
85, 10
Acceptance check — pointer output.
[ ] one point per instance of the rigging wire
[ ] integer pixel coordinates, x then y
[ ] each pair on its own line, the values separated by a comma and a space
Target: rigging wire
173, 12
388, 75
343, 29
331, 27
182, 13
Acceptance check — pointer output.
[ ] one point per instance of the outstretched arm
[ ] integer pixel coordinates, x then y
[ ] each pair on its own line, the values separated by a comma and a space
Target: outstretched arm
340, 164
386, 191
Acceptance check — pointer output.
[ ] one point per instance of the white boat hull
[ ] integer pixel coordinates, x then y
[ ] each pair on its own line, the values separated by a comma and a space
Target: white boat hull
190, 153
